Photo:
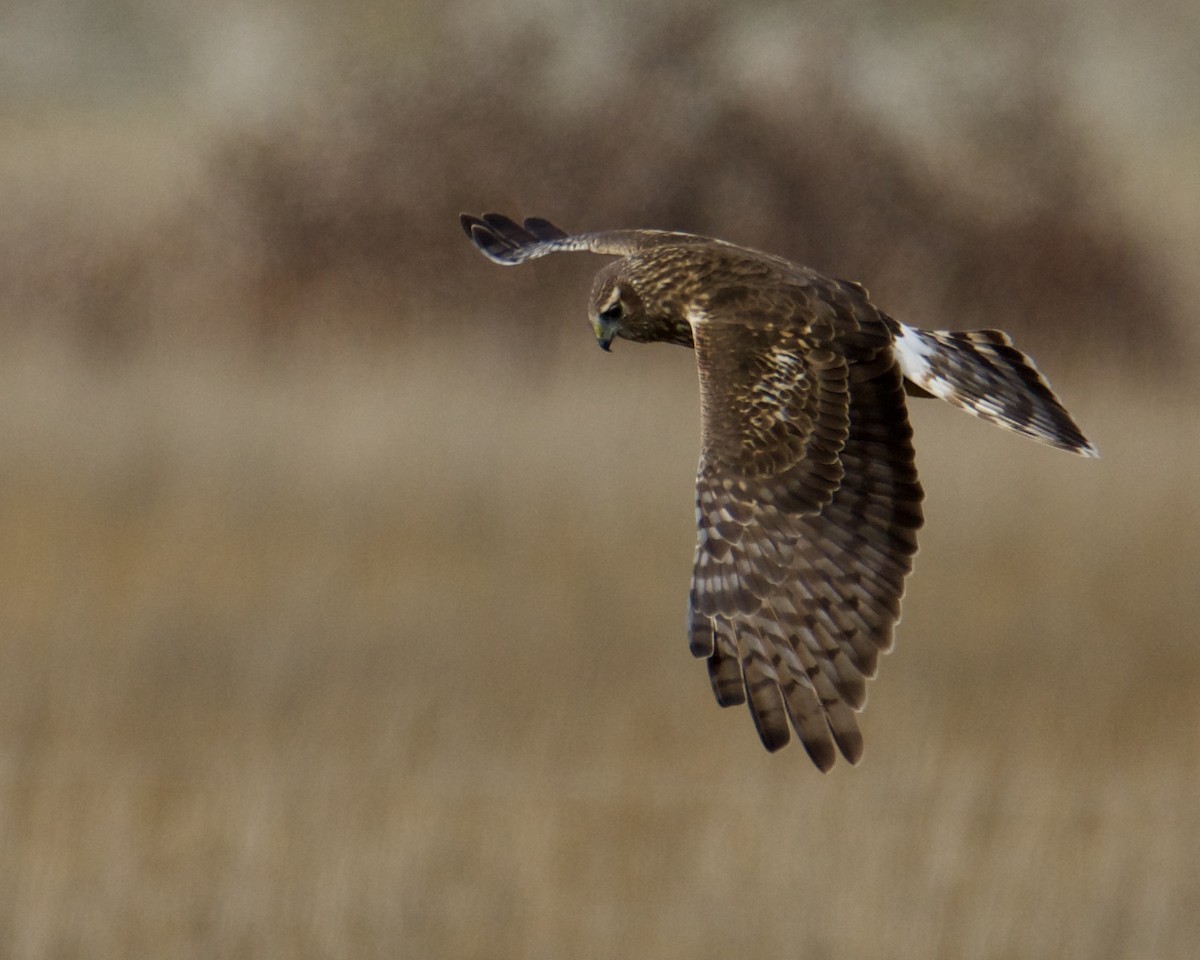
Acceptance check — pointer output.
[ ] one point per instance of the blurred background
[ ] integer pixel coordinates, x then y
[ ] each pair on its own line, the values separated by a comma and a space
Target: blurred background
343, 580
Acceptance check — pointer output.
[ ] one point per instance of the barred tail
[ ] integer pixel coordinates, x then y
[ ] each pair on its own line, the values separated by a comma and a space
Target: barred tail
982, 372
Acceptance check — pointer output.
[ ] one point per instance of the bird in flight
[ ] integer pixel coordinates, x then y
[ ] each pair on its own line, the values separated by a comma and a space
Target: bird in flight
807, 496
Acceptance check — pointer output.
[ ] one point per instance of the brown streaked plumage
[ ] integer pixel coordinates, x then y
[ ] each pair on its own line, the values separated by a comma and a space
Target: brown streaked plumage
807, 497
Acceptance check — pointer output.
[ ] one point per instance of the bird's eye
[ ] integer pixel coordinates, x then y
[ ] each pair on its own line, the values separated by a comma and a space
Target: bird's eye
613, 311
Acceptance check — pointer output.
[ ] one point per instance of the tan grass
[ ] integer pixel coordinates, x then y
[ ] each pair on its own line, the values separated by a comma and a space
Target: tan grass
381, 656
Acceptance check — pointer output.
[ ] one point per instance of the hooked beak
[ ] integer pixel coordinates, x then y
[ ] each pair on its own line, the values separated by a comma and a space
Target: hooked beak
605, 331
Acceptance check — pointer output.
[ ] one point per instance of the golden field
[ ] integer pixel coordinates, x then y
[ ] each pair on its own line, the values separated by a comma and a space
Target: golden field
343, 579
381, 653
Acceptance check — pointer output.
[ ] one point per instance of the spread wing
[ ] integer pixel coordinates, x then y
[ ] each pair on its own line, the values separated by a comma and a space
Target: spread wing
808, 504
505, 241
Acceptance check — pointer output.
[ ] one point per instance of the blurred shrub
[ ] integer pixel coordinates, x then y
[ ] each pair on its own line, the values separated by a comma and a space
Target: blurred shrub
364, 193
347, 208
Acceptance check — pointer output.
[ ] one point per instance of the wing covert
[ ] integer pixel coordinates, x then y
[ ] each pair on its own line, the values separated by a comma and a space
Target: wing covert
775, 411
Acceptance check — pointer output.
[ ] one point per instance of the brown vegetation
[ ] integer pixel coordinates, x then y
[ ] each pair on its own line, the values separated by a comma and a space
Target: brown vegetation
339, 208
343, 578
368, 657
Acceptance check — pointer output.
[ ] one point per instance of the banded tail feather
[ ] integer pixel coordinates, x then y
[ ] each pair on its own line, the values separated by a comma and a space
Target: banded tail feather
983, 373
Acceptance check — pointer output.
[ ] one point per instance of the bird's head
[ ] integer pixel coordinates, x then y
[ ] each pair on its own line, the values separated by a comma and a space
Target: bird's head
624, 305
615, 309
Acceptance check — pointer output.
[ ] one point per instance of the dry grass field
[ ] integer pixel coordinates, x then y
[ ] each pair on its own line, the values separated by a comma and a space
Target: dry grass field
381, 654
343, 579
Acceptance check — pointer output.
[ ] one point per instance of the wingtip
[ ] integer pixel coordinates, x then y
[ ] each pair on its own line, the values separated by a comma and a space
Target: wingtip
500, 223
503, 240
467, 222
850, 743
821, 752
491, 235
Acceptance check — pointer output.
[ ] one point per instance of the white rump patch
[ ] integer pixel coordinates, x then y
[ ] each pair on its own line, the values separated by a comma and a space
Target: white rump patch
913, 352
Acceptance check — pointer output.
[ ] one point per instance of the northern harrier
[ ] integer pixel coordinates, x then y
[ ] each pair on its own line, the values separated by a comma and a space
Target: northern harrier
807, 497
